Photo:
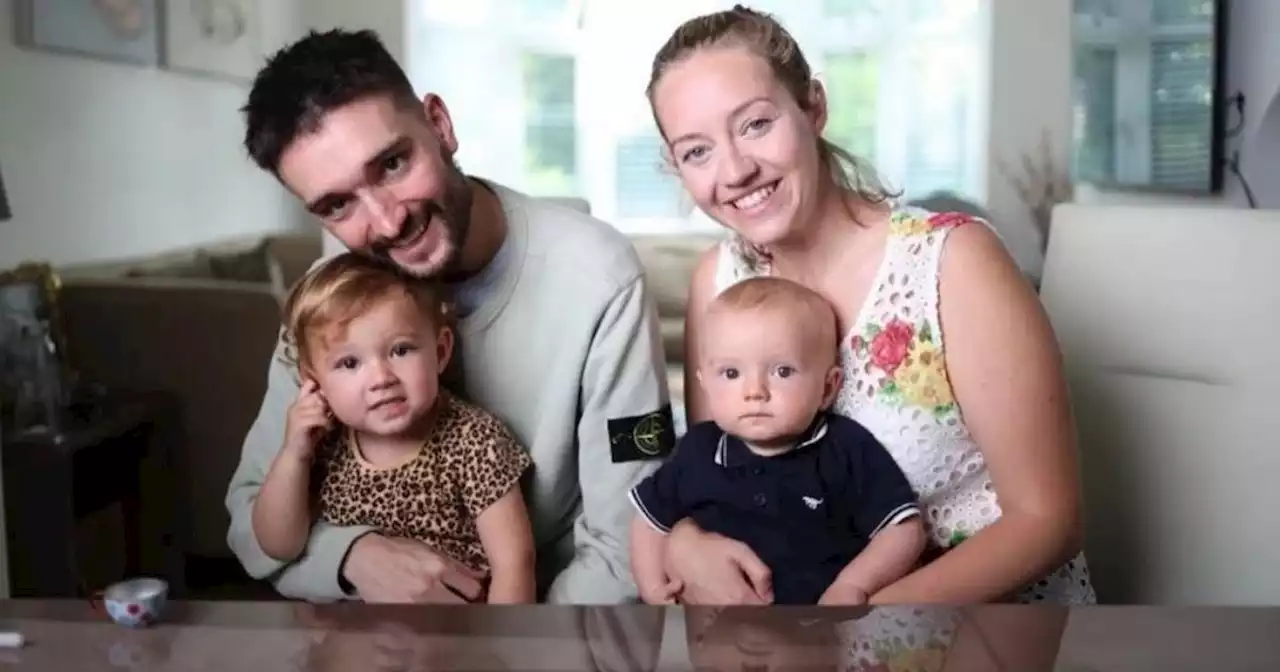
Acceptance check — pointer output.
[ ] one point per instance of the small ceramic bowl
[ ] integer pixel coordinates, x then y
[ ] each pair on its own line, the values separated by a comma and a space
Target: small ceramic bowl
134, 603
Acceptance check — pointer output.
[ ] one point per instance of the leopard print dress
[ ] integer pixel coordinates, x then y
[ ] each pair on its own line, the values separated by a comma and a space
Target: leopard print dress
469, 462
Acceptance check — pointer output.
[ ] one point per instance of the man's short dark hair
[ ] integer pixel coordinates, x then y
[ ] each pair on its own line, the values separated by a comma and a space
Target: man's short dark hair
304, 81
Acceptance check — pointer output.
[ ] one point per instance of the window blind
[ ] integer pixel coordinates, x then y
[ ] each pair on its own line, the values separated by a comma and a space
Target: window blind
1181, 113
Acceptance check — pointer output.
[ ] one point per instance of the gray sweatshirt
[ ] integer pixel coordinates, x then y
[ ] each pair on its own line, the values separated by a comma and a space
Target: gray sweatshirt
563, 345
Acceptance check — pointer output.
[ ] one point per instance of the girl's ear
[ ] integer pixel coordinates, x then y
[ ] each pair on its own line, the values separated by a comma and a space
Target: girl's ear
305, 372
444, 349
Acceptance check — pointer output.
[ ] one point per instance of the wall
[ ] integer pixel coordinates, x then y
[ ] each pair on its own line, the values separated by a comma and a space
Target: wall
1031, 85
104, 160
1254, 68
1030, 94
386, 17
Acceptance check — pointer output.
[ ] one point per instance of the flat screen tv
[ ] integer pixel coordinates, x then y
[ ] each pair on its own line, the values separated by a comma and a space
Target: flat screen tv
1148, 102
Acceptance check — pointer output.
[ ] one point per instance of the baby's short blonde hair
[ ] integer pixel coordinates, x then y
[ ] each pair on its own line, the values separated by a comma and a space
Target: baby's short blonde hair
806, 309
341, 289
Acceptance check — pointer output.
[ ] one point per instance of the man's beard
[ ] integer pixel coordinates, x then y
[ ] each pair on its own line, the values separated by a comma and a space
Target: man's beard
452, 211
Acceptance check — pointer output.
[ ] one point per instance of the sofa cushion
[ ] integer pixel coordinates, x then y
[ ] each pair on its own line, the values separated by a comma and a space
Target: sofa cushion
191, 266
672, 329
669, 261
293, 254
251, 265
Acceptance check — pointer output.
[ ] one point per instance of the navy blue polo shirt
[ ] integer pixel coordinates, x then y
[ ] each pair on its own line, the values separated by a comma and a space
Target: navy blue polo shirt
806, 513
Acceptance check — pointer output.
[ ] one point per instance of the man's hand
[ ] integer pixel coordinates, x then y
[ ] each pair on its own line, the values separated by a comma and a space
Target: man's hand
716, 570
667, 592
389, 569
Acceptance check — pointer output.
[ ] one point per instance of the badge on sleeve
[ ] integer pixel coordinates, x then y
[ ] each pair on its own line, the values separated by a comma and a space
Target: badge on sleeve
642, 437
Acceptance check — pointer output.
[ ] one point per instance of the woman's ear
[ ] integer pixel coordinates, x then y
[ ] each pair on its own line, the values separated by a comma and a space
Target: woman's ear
817, 108
444, 349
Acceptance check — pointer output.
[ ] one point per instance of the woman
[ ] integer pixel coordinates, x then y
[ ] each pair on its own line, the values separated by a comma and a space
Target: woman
949, 359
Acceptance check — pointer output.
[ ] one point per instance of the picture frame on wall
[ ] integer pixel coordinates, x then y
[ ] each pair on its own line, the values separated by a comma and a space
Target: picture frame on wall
125, 31
214, 38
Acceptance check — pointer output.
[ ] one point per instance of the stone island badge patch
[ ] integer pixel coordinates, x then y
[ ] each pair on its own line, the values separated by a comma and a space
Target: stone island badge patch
642, 437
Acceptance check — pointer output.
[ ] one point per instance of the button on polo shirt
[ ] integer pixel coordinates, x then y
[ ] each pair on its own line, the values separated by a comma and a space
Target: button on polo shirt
806, 513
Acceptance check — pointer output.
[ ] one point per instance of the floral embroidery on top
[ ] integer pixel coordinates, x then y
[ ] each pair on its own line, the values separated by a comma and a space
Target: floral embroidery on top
913, 366
908, 223
909, 354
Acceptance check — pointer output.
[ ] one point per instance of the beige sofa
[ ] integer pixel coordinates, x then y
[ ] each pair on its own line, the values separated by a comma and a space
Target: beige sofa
669, 261
1167, 319
198, 323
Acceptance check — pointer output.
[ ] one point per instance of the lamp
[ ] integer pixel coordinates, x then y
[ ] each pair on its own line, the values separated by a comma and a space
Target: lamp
5, 213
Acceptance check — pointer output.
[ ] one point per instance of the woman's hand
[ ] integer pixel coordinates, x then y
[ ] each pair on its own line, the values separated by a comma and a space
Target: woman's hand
716, 570
843, 593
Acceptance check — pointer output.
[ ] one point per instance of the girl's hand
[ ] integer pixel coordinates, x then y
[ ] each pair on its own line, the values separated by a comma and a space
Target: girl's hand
307, 422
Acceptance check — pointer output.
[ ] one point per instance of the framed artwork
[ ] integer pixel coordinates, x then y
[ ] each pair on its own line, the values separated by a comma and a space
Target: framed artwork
218, 38
117, 30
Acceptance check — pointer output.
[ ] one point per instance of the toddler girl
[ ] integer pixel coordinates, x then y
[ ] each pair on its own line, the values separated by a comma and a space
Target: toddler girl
374, 440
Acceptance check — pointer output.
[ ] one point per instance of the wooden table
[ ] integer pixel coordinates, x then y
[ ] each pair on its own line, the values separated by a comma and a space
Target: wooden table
68, 635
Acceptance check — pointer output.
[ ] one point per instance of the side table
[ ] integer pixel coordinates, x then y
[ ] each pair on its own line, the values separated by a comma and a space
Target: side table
50, 486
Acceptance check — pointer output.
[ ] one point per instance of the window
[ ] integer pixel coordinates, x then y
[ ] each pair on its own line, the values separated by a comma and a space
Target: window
1094, 116
548, 95
1144, 92
550, 133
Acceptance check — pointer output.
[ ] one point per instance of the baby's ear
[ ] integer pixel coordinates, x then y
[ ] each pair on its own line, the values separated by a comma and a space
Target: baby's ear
831, 385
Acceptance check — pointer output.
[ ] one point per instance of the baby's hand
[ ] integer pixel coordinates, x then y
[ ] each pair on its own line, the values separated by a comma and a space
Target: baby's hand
844, 594
665, 593
308, 420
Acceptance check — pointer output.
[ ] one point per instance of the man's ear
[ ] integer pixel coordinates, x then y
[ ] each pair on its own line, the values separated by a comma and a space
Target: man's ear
831, 386
441, 123
444, 349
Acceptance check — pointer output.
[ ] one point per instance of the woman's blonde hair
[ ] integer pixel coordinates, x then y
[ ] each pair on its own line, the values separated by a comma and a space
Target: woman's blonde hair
764, 36
341, 289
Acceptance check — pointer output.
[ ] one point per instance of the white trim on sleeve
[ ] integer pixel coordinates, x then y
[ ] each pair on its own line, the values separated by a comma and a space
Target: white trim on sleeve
644, 513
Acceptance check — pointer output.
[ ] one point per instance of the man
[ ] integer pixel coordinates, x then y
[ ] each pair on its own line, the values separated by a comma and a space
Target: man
559, 336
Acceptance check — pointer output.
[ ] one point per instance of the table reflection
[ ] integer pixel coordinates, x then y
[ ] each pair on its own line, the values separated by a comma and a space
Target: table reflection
290, 636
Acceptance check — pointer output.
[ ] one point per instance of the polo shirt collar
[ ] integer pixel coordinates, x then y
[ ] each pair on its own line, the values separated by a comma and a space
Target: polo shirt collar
816, 432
